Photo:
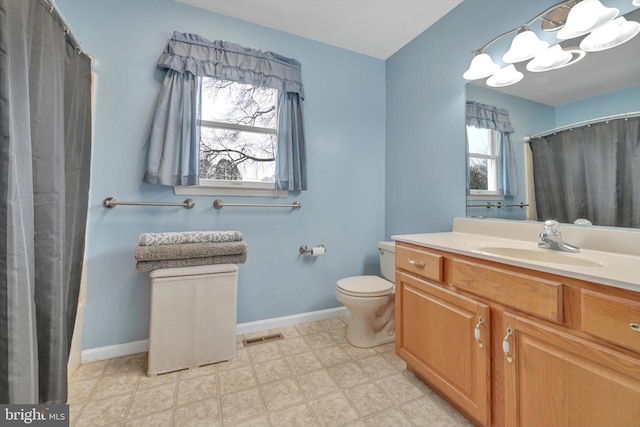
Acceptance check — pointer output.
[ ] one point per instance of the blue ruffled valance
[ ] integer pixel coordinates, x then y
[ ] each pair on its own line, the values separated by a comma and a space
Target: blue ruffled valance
191, 53
485, 116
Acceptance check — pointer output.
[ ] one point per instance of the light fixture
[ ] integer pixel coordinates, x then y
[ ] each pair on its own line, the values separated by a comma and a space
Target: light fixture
549, 59
524, 46
584, 17
482, 66
505, 76
611, 34
573, 18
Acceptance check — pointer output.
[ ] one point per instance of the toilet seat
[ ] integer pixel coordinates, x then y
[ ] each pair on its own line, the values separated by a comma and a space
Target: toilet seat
365, 286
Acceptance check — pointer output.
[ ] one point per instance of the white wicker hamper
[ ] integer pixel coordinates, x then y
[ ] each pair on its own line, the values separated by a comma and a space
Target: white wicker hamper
193, 317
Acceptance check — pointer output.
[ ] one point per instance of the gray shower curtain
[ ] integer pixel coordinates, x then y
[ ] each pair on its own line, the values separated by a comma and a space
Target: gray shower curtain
45, 144
590, 172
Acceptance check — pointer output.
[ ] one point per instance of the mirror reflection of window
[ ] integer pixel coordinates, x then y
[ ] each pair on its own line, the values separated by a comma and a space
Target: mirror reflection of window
483, 160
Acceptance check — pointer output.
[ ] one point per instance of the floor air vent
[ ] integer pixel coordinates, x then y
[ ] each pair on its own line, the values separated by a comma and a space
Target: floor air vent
263, 339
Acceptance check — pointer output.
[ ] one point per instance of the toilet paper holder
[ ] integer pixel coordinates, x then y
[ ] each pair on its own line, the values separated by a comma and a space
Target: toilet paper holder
306, 250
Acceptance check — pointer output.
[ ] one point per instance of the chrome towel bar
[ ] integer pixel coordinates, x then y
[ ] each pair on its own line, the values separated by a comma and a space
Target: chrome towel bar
112, 202
499, 205
219, 204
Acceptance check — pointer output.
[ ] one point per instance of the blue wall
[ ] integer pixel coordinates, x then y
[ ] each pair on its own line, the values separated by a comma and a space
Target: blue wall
623, 101
343, 208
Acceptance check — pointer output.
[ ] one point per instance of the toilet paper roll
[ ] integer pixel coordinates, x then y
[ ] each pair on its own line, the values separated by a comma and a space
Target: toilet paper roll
317, 251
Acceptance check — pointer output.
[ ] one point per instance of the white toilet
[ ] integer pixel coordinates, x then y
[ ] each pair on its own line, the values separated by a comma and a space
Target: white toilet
371, 302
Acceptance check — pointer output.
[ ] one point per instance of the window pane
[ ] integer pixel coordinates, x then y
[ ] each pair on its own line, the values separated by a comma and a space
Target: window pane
478, 178
238, 156
231, 102
479, 140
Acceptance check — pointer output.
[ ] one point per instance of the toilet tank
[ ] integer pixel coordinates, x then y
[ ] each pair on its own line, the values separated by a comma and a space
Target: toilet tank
388, 260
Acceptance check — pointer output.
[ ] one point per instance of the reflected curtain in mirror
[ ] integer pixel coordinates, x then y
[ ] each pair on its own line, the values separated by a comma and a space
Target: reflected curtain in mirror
590, 172
486, 116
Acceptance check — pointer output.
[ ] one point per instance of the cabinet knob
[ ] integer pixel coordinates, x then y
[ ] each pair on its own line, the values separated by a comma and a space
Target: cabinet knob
506, 347
476, 332
635, 327
415, 263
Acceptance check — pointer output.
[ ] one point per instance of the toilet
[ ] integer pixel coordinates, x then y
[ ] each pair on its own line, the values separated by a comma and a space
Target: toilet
371, 302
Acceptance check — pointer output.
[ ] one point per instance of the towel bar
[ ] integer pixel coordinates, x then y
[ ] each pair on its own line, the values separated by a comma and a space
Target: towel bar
112, 202
219, 204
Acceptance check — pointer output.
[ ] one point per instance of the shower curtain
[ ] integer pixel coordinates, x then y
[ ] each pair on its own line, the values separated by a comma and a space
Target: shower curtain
45, 143
590, 172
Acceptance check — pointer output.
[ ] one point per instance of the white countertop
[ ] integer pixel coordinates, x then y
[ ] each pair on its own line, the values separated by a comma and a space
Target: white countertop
621, 270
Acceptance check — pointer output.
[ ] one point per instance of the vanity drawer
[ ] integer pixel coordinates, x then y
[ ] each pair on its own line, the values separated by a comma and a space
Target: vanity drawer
542, 298
413, 260
611, 318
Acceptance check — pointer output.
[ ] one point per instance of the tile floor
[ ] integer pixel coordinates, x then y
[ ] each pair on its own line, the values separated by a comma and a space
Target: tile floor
313, 377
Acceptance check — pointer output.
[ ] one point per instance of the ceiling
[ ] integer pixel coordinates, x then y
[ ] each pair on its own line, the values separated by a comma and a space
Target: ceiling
377, 28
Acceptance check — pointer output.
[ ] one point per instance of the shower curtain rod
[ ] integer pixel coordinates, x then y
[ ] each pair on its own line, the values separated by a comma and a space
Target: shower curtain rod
53, 9
584, 122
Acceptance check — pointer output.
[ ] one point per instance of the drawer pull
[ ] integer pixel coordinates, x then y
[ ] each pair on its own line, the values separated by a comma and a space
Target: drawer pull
476, 332
635, 327
415, 263
505, 346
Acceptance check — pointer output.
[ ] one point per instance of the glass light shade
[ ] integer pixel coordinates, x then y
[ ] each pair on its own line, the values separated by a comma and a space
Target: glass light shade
524, 46
584, 17
636, 2
505, 76
549, 59
481, 66
609, 35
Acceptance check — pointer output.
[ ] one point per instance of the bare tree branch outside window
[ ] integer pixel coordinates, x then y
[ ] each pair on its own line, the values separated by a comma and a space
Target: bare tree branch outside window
238, 135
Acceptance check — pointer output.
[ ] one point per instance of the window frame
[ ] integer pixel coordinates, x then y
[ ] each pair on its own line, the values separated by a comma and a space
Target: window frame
492, 166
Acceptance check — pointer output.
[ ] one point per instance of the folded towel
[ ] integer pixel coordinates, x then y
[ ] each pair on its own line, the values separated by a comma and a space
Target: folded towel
171, 263
189, 250
180, 237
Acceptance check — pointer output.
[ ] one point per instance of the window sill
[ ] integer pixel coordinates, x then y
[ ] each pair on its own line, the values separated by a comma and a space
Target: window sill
241, 189
485, 197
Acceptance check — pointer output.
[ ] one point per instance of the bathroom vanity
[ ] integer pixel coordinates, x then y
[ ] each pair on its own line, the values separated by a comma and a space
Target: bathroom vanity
514, 335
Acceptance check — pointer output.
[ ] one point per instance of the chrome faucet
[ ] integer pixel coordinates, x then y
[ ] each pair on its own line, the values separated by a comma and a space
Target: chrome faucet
552, 238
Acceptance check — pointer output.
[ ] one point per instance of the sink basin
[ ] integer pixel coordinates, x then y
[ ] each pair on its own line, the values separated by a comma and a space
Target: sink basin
539, 255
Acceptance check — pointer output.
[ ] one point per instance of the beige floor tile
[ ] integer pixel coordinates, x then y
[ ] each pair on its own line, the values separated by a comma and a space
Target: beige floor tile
193, 389
394, 360
417, 382
390, 418
333, 355
399, 388
319, 340
127, 363
80, 391
288, 332
309, 328
376, 366
89, 370
113, 385
103, 412
254, 422
204, 413
264, 352
357, 424
424, 412
295, 416
339, 336
385, 347
241, 359
332, 323
368, 399
452, 412
281, 393
236, 379
272, 370
160, 419
158, 380
302, 363
242, 405
146, 402
199, 371
358, 353
74, 412
316, 383
333, 410
348, 374
293, 346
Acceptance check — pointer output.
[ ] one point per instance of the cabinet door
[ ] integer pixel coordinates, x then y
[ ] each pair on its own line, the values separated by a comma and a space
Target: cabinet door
553, 378
436, 336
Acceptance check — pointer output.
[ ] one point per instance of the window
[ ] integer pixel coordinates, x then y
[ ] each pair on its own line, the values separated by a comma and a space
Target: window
238, 135
483, 161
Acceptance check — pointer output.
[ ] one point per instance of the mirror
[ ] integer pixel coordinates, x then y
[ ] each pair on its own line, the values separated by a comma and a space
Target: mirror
601, 84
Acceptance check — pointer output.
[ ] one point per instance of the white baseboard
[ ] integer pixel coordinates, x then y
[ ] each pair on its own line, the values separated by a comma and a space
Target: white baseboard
126, 349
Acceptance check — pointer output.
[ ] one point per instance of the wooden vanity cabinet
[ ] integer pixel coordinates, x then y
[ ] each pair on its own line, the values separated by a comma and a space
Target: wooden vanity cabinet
552, 350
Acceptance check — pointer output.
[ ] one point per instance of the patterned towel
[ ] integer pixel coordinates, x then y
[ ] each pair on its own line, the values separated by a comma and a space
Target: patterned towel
189, 250
180, 237
172, 263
